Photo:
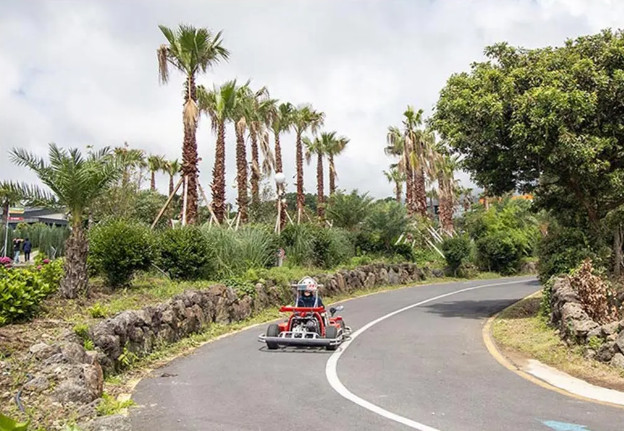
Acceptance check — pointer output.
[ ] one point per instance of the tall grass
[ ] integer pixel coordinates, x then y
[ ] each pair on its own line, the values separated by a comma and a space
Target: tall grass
235, 252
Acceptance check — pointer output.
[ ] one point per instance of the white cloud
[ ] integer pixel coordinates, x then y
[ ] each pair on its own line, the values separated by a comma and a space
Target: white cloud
79, 73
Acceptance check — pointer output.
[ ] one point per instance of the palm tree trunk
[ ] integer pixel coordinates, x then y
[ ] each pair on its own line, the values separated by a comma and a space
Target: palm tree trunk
241, 175
397, 190
300, 196
320, 200
420, 193
255, 166
332, 176
218, 175
409, 190
278, 168
170, 184
153, 182
75, 280
189, 157
617, 249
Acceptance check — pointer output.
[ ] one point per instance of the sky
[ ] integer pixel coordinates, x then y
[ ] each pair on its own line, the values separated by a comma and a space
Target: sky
84, 72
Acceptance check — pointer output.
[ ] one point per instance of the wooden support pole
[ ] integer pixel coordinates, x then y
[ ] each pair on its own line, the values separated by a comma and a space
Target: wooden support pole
164, 208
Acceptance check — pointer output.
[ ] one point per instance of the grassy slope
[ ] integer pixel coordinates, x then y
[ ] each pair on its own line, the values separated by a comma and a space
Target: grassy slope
523, 334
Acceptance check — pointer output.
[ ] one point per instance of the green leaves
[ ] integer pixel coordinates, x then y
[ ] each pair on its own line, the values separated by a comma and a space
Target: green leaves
8, 424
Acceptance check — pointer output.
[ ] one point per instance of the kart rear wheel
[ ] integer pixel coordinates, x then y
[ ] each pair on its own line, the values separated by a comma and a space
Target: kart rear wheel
272, 331
331, 332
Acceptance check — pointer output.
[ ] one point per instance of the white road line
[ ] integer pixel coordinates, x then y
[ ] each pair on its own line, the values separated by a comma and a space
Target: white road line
332, 362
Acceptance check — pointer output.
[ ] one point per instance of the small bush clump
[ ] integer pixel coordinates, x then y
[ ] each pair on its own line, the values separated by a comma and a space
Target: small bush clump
119, 248
23, 290
184, 253
456, 251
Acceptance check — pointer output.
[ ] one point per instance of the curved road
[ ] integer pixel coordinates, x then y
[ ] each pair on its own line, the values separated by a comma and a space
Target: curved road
427, 364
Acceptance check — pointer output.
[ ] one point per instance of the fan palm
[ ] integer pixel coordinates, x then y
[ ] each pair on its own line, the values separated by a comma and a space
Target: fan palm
281, 120
220, 105
155, 164
242, 106
396, 176
442, 166
259, 118
304, 118
319, 146
172, 167
190, 50
129, 159
398, 146
334, 148
76, 182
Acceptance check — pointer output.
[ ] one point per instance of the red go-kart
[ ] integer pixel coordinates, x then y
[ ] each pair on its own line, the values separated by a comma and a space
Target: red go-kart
307, 326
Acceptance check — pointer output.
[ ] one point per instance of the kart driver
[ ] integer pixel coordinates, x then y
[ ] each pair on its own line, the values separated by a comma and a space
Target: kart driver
310, 296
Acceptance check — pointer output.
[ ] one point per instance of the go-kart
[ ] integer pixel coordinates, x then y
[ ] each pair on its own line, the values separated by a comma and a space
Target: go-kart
307, 326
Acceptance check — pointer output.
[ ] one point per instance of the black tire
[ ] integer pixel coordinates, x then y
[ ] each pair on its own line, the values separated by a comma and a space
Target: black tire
272, 331
331, 332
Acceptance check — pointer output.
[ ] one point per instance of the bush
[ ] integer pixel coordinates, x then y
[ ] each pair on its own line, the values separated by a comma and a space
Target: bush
119, 248
23, 290
184, 253
456, 251
562, 250
500, 252
310, 245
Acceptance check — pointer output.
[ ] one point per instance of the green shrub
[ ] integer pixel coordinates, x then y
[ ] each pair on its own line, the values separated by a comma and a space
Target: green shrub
23, 290
456, 251
562, 250
499, 252
184, 253
119, 248
310, 245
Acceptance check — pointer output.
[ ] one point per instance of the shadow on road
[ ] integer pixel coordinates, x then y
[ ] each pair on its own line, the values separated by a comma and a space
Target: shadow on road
469, 309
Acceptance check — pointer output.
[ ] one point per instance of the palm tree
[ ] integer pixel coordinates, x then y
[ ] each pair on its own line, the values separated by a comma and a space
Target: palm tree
259, 118
442, 167
172, 167
334, 148
418, 161
243, 104
304, 118
398, 146
319, 146
76, 182
281, 120
155, 164
220, 105
129, 159
190, 50
396, 176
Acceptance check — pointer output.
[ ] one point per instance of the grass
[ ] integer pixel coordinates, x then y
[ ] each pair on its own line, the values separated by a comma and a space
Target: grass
523, 334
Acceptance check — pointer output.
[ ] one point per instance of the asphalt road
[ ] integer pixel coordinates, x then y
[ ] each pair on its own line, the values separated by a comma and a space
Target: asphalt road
427, 364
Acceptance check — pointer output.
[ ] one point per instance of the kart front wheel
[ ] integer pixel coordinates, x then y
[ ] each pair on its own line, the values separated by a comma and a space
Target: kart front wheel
331, 332
272, 331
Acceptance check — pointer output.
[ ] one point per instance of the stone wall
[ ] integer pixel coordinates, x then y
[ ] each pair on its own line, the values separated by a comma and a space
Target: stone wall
576, 327
72, 378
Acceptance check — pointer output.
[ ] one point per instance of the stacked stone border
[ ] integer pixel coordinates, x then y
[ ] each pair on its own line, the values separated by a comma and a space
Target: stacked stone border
71, 378
604, 343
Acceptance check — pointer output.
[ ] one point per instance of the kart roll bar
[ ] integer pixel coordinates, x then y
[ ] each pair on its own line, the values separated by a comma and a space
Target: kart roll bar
288, 309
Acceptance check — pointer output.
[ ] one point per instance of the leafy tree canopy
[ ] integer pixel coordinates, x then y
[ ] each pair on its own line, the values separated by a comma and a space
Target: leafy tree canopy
545, 120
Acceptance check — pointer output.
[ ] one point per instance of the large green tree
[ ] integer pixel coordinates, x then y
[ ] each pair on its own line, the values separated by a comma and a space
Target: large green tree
549, 121
75, 182
190, 50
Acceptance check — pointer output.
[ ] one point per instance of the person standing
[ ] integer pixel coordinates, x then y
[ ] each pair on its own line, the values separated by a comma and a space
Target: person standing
17, 242
27, 247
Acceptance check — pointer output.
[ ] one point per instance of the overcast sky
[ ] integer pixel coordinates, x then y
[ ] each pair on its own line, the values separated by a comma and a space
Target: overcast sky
84, 72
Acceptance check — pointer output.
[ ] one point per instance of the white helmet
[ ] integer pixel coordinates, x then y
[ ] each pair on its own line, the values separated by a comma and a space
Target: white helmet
308, 284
